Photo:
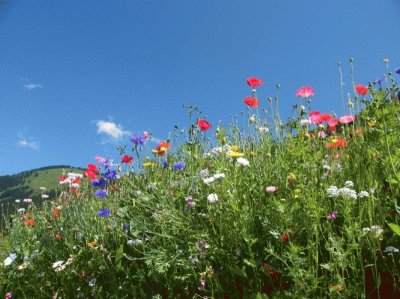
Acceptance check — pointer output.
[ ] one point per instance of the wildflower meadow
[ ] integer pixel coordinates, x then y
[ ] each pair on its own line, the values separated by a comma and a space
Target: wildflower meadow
258, 208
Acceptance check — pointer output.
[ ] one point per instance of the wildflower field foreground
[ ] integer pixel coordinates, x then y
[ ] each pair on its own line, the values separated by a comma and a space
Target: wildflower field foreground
257, 209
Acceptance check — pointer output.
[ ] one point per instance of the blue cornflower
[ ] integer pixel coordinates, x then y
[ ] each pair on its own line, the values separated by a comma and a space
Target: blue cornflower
397, 71
179, 165
104, 213
138, 140
100, 183
100, 193
165, 164
108, 163
125, 227
111, 174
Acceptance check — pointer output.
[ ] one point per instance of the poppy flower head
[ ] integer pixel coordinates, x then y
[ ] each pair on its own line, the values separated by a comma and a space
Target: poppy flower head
361, 89
253, 102
305, 92
333, 122
127, 159
253, 82
347, 119
203, 125
30, 222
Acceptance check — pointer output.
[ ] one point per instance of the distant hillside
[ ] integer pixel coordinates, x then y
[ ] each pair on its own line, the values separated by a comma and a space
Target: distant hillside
27, 185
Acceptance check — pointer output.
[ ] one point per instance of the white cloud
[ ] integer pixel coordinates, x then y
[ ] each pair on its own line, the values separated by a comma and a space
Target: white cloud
29, 143
111, 129
31, 86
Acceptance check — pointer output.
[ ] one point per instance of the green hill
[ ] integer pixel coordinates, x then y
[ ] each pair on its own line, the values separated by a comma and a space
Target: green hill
27, 185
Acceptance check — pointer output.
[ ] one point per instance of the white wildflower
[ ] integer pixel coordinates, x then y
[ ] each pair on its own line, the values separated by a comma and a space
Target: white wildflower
347, 192
212, 198
45, 196
17, 200
243, 162
363, 194
263, 129
204, 173
10, 259
21, 210
391, 250
305, 122
58, 266
27, 200
218, 176
349, 184
134, 242
208, 181
332, 191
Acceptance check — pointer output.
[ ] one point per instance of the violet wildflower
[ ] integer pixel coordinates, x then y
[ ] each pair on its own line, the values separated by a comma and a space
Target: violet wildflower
8, 295
397, 71
189, 203
179, 165
108, 163
104, 213
100, 183
111, 174
138, 140
332, 215
165, 164
125, 227
100, 193
202, 285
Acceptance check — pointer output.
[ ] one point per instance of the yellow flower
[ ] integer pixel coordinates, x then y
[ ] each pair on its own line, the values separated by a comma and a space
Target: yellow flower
235, 154
235, 148
291, 176
372, 123
148, 164
252, 153
92, 244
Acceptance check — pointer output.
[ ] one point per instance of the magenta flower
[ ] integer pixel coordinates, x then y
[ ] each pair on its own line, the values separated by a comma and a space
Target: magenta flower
271, 189
332, 215
347, 119
305, 92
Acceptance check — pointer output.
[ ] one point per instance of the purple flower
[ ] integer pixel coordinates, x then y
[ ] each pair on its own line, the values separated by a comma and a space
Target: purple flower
125, 227
108, 163
104, 213
111, 174
332, 215
397, 71
202, 285
179, 165
100, 183
100, 193
9, 295
379, 81
165, 164
138, 140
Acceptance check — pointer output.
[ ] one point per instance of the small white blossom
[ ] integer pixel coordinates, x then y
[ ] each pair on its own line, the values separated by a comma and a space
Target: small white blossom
204, 173
17, 200
134, 242
10, 259
332, 191
363, 194
218, 176
21, 210
349, 184
391, 250
27, 200
208, 181
305, 122
58, 266
347, 192
263, 129
45, 196
243, 162
212, 198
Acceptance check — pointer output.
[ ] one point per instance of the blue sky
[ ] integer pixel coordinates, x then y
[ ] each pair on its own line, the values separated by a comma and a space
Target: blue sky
78, 77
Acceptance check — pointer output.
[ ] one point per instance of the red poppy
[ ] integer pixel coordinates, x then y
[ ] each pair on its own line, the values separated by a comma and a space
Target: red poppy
319, 118
93, 168
30, 222
340, 142
285, 237
58, 236
77, 181
90, 174
62, 178
56, 213
253, 82
127, 159
361, 89
305, 92
162, 148
253, 102
203, 124
333, 122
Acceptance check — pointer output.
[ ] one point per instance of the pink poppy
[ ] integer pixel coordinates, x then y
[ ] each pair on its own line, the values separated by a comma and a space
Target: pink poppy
333, 122
305, 92
271, 189
347, 119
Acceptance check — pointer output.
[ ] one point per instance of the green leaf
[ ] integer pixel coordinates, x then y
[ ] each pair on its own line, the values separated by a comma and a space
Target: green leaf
234, 206
118, 256
395, 228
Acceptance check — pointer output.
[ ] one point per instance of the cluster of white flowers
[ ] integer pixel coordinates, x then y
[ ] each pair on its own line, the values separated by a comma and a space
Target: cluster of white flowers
243, 162
346, 191
221, 150
60, 265
391, 250
134, 242
69, 180
215, 177
375, 230
212, 198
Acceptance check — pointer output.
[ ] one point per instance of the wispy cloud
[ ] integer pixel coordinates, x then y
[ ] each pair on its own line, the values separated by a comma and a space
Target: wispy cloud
111, 129
28, 142
31, 86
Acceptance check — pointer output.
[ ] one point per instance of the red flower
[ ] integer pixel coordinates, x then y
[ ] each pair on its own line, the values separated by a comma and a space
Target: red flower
361, 89
203, 124
333, 122
90, 174
319, 118
127, 159
340, 142
305, 92
162, 148
56, 213
62, 178
30, 222
253, 82
58, 236
93, 168
77, 181
253, 102
285, 237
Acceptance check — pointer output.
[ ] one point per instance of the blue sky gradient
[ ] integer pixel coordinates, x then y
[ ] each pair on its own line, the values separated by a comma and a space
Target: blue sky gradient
68, 67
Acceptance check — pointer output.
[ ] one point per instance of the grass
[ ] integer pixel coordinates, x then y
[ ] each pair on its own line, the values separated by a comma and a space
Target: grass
258, 210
